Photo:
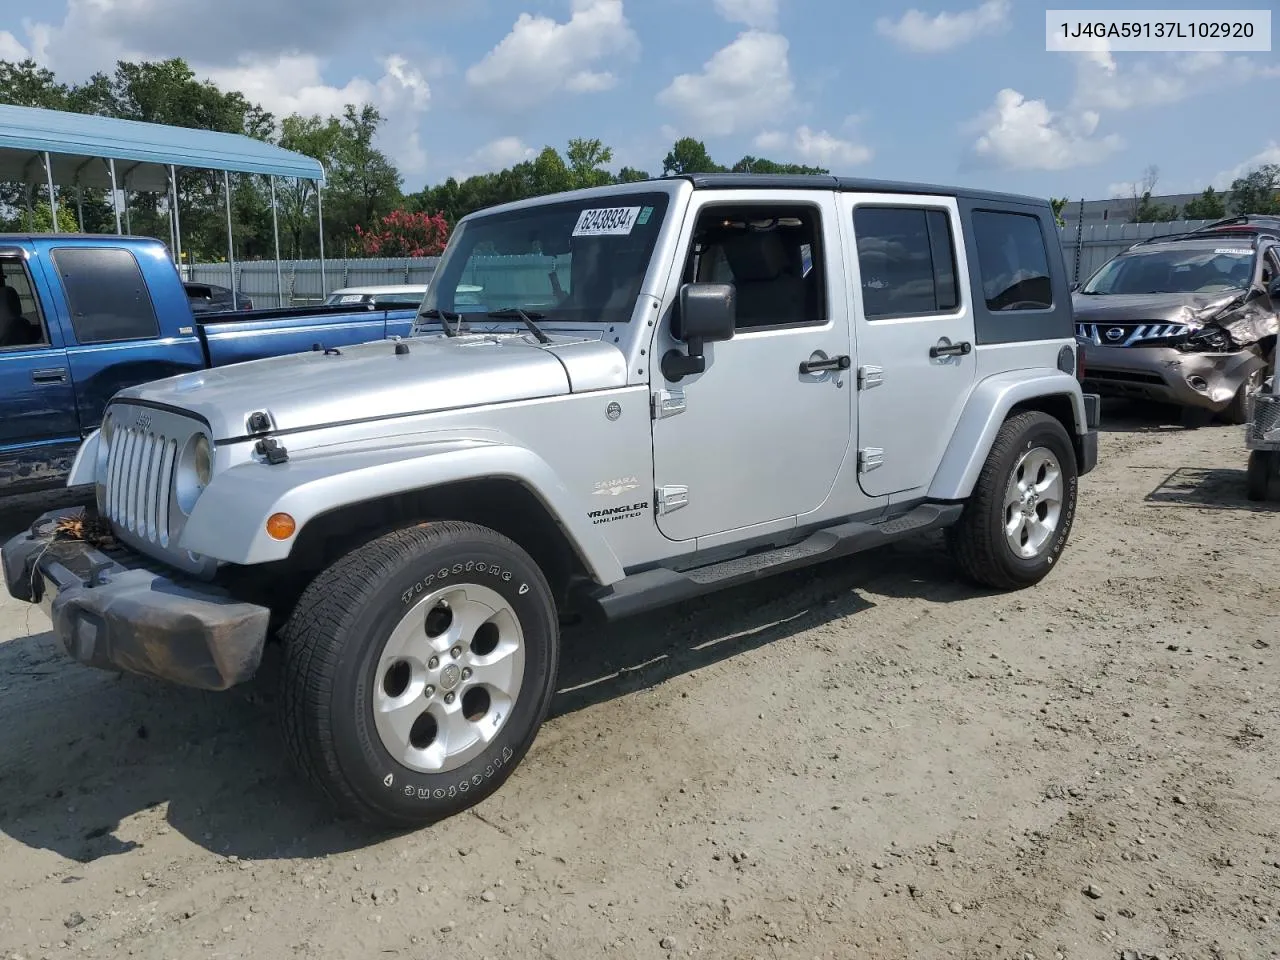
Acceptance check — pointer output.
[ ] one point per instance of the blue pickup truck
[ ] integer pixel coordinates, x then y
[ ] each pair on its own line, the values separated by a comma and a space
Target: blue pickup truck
84, 316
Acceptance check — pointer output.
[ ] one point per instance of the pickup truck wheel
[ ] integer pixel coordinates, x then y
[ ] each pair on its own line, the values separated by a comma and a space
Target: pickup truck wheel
418, 669
1017, 520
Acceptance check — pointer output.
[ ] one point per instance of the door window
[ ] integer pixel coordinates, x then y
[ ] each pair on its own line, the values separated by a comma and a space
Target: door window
907, 260
1013, 261
106, 294
772, 255
21, 322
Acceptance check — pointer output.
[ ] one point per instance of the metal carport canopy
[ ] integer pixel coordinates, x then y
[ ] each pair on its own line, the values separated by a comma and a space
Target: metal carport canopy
80, 146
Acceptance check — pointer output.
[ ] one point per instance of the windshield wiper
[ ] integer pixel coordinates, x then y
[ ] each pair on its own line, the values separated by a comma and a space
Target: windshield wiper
515, 313
444, 316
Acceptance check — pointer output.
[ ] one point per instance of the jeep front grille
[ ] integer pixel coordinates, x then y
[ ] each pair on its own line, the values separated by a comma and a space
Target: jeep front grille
139, 481
1128, 334
141, 478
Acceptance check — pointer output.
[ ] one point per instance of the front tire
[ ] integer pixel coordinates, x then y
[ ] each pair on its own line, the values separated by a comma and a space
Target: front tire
1016, 523
418, 670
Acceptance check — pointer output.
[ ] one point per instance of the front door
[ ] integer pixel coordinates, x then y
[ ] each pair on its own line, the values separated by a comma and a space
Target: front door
39, 428
752, 439
914, 331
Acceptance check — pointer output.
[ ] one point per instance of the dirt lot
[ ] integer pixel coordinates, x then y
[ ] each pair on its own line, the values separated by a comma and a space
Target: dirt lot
866, 761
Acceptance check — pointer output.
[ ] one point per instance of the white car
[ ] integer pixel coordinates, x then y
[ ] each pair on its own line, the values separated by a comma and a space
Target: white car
409, 295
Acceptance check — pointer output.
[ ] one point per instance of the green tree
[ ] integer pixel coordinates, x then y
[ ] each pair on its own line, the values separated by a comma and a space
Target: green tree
750, 164
363, 184
315, 137
1207, 206
38, 219
632, 175
1257, 191
688, 155
1151, 212
587, 159
1058, 204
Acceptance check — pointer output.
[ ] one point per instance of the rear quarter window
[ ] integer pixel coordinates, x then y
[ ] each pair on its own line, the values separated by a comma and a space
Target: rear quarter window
1013, 261
106, 295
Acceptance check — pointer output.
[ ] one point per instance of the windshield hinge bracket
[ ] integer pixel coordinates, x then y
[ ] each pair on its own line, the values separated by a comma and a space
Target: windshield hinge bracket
666, 403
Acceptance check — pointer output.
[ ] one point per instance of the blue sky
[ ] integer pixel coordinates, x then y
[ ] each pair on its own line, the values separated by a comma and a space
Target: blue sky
939, 90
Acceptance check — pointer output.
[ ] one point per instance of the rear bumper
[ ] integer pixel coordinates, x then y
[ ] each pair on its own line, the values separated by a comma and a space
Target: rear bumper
108, 611
1206, 380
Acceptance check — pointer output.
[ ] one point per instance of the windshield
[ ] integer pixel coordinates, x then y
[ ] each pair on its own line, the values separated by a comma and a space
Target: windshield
582, 261
1196, 270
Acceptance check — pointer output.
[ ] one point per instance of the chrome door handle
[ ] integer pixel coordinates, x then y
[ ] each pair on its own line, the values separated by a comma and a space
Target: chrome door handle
49, 375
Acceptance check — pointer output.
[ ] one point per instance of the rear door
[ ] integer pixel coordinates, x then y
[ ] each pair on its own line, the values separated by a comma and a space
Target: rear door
914, 329
39, 429
111, 317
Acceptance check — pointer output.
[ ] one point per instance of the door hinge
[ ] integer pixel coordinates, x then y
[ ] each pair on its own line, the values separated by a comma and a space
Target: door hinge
666, 403
671, 498
869, 458
869, 377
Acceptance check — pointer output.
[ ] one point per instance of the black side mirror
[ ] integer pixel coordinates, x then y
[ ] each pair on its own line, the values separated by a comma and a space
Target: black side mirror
707, 313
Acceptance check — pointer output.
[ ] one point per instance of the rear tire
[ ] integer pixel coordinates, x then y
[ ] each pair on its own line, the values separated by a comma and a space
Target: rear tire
1258, 476
417, 671
1017, 520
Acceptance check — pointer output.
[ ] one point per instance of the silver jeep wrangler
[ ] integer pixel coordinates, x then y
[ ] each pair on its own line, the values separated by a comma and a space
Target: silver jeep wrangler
644, 393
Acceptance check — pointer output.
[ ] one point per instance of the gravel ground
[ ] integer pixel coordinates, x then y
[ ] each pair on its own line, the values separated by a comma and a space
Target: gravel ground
869, 760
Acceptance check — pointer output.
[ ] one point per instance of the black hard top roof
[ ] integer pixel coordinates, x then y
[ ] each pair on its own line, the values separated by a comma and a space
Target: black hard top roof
789, 181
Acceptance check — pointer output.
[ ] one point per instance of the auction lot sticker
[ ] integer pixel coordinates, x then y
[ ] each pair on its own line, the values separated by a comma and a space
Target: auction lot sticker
606, 222
1175, 31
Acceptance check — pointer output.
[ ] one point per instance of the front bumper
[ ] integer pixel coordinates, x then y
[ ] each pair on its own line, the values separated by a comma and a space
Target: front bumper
1168, 375
109, 611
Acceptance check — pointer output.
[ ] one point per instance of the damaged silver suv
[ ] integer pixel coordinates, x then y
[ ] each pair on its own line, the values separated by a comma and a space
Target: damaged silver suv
1189, 320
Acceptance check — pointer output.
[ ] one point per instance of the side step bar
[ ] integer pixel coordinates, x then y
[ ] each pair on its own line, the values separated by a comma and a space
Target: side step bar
652, 589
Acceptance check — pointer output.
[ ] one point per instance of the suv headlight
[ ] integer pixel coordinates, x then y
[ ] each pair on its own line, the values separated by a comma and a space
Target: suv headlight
195, 470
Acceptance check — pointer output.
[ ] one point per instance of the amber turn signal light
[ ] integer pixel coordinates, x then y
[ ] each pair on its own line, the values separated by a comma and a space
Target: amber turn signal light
280, 526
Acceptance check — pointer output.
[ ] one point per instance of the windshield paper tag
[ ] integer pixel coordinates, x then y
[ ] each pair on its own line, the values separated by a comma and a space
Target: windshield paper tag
606, 222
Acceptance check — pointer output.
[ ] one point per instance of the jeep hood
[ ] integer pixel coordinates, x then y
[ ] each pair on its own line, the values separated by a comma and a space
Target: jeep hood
371, 381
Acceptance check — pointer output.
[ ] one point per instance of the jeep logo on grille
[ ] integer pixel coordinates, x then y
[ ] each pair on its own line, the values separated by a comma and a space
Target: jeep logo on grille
144, 420
1115, 333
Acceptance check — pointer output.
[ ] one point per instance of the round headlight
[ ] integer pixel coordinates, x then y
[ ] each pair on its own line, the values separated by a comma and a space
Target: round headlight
194, 471
202, 461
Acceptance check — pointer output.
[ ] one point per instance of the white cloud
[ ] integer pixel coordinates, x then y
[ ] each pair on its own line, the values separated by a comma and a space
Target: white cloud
497, 155
539, 56
1269, 154
10, 48
757, 14
94, 33
293, 83
815, 148
746, 84
1021, 134
1101, 83
922, 33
